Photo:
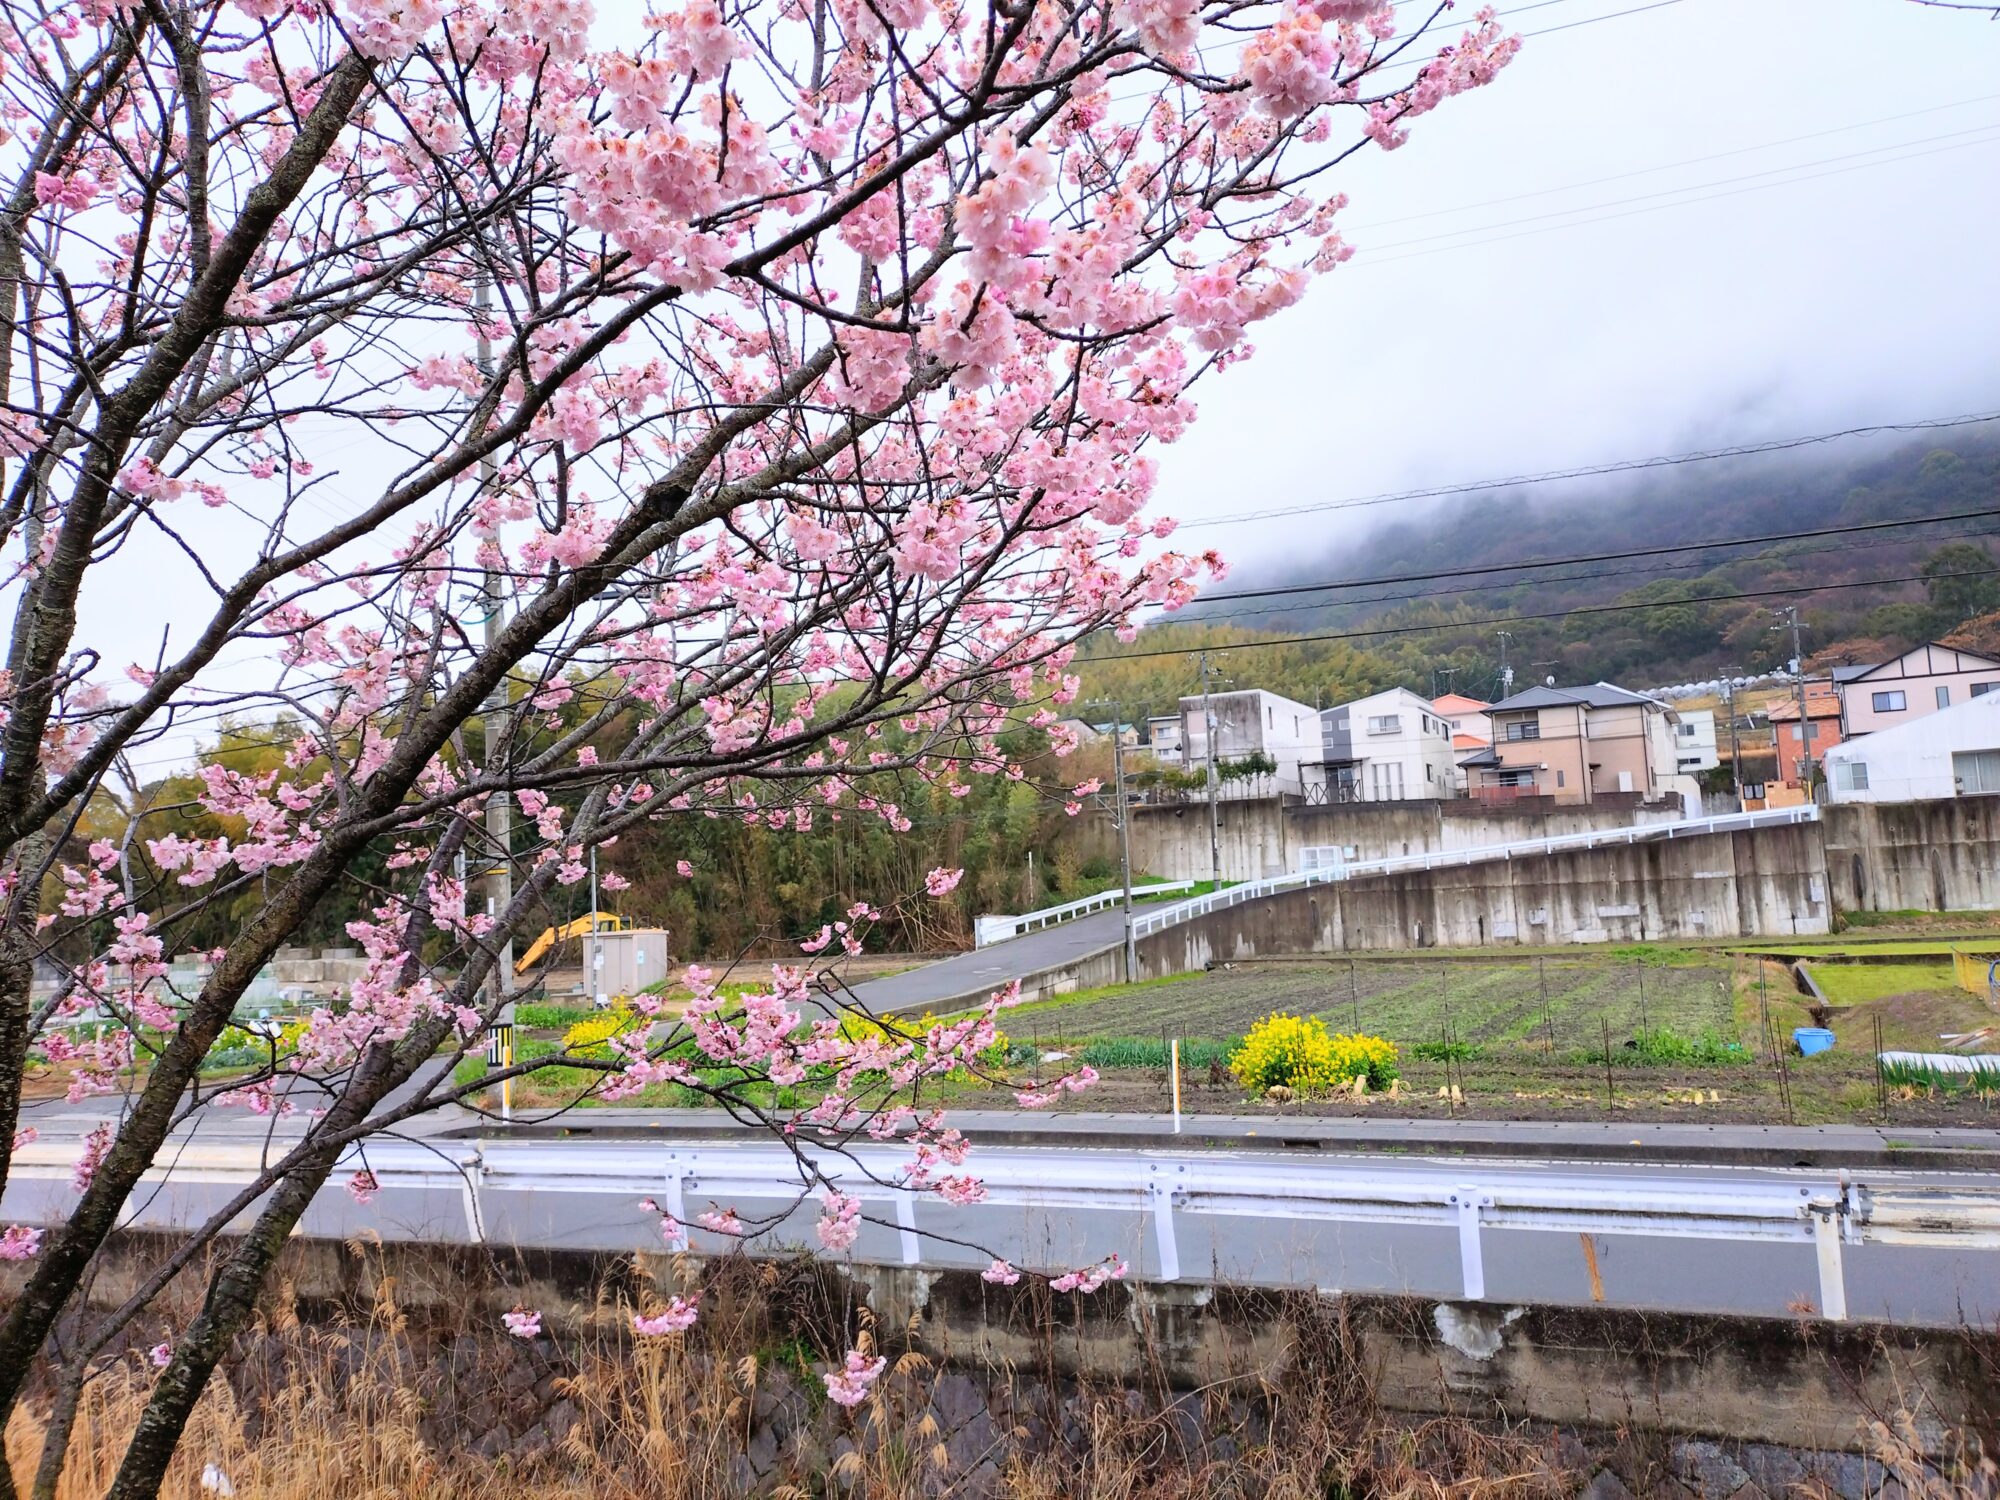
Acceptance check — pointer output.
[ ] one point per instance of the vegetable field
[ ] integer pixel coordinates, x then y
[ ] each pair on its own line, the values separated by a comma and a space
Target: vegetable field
1568, 1000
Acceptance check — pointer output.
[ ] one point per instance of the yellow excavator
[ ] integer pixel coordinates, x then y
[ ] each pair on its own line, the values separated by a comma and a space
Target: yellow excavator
589, 922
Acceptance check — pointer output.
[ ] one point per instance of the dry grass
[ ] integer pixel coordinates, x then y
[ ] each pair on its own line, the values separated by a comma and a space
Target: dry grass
360, 1412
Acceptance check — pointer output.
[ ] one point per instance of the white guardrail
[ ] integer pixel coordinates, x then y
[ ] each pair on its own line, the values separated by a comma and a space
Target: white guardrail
1681, 1240
988, 930
1184, 911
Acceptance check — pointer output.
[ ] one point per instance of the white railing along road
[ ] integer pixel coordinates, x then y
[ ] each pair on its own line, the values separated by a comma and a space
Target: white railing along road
1687, 1239
988, 930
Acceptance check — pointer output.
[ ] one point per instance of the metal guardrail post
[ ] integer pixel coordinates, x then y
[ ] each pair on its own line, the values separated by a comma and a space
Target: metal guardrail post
1164, 1239
678, 1170
1471, 1258
1832, 1273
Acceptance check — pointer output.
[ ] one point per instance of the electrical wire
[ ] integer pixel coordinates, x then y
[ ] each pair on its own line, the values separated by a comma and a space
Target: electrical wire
1361, 259
1560, 614
1766, 539
1658, 571
1592, 471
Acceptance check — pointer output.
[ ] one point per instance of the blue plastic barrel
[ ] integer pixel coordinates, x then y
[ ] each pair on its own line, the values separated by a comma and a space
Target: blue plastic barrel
1812, 1039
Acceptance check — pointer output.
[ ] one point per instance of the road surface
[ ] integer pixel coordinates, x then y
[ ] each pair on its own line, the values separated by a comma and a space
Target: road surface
1919, 1247
969, 977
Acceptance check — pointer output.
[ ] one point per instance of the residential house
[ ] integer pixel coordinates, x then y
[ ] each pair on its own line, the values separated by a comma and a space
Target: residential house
1949, 752
1466, 719
1387, 747
1249, 722
1471, 732
1921, 681
1163, 738
1695, 749
1577, 744
1820, 734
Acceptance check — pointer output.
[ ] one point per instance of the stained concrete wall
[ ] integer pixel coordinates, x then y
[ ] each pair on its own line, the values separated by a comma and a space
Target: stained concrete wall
1262, 836
1002, 1358
1762, 882
1914, 856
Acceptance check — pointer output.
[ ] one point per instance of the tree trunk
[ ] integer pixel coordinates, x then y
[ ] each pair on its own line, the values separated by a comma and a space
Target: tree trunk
232, 1292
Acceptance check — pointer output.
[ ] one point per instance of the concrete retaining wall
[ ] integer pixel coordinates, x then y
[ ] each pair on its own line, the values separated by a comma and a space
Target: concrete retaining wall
1262, 836
1914, 856
1008, 1370
1754, 883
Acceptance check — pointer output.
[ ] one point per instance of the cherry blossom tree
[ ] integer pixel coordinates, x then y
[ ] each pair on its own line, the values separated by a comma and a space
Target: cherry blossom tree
558, 423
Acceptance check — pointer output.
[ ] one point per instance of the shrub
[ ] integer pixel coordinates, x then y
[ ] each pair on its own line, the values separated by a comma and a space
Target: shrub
1663, 1046
1150, 1052
552, 1017
594, 1030
1299, 1053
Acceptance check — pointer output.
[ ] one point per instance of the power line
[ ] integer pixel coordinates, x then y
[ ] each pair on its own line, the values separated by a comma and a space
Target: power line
1672, 166
1591, 471
1559, 614
1597, 557
1984, 130
1654, 208
1639, 572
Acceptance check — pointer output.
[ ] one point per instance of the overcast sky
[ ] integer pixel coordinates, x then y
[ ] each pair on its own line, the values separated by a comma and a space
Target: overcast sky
1539, 284
1764, 290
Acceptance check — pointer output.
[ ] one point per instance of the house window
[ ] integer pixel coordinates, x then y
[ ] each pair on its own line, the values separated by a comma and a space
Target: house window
1798, 732
1889, 703
1561, 779
1981, 689
1385, 724
1812, 731
1517, 778
1944, 695
1428, 773
1526, 729
1852, 775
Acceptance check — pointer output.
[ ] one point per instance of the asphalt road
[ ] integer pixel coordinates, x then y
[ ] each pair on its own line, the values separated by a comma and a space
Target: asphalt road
970, 977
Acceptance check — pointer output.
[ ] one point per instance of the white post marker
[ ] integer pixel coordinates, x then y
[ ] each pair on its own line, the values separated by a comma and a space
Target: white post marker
1176, 1065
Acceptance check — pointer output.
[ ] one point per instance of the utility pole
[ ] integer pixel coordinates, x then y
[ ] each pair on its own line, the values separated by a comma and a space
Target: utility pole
1790, 621
1123, 815
592, 969
499, 806
1735, 741
1506, 672
1214, 813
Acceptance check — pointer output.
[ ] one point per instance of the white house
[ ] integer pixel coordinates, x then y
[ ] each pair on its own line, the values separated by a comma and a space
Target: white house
1387, 747
1695, 749
1950, 752
1924, 680
1163, 738
1250, 721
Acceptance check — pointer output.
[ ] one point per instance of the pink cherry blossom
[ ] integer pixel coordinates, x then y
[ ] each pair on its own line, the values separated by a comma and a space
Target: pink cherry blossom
19, 1242
942, 882
839, 1224
1000, 1273
522, 1324
848, 1385
1090, 1278
160, 1355
676, 1317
